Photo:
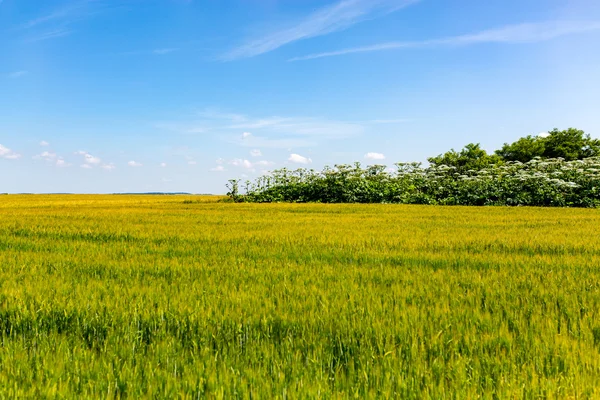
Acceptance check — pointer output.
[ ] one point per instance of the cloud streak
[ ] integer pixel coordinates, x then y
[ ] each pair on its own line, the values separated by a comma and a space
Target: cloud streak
17, 74
268, 132
333, 18
56, 23
512, 34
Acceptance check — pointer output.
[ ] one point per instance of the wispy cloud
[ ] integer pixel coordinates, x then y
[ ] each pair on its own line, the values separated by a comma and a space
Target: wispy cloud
389, 121
276, 143
289, 132
57, 22
17, 74
55, 33
298, 126
161, 52
134, 164
268, 132
329, 19
522, 33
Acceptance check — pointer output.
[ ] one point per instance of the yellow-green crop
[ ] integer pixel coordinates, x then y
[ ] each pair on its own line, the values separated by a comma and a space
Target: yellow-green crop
186, 297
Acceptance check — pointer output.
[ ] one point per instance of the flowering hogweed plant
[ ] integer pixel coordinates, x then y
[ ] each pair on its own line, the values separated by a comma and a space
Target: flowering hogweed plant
539, 182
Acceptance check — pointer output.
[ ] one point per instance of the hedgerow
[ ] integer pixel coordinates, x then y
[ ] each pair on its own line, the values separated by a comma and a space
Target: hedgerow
539, 182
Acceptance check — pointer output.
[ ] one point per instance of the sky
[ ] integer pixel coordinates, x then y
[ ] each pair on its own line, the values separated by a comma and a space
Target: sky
104, 96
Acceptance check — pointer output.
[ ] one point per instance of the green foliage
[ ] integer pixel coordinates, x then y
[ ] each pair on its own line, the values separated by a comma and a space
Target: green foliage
560, 169
523, 150
570, 144
552, 182
472, 157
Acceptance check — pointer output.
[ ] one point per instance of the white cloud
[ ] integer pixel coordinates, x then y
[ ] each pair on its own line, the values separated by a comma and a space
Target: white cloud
522, 33
220, 161
88, 158
374, 156
238, 162
218, 168
7, 153
298, 159
17, 74
255, 153
134, 164
46, 156
543, 134
246, 135
52, 158
62, 163
109, 167
163, 165
328, 19
264, 163
43, 143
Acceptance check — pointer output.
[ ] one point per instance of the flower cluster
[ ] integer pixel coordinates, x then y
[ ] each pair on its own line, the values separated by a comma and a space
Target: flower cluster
539, 182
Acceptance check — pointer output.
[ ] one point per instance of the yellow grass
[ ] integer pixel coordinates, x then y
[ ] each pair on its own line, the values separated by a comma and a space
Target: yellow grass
184, 296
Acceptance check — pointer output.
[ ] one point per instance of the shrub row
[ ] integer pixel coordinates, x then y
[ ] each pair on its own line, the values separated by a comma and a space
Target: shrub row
551, 182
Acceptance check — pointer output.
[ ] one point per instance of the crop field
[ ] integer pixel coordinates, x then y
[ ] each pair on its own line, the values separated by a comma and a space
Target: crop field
189, 297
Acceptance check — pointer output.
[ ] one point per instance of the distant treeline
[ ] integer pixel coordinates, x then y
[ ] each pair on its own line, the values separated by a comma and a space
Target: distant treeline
560, 169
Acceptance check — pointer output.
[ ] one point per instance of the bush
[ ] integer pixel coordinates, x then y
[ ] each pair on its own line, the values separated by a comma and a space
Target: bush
550, 183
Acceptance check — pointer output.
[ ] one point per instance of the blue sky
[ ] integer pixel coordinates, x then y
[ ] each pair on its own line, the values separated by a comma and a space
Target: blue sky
100, 96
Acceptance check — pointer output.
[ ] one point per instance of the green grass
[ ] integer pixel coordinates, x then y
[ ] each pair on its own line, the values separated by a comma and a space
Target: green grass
185, 297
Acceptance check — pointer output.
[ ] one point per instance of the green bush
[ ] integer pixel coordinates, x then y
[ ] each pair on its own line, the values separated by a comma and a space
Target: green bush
539, 182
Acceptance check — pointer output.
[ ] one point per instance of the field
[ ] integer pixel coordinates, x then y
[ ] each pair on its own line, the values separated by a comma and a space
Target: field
187, 297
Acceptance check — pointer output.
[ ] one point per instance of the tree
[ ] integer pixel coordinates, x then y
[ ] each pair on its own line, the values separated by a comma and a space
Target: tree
472, 157
570, 144
523, 150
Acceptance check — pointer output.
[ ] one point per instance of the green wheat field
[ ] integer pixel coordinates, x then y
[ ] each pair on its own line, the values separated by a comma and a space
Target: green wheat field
193, 297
